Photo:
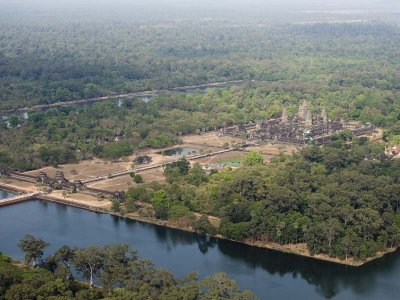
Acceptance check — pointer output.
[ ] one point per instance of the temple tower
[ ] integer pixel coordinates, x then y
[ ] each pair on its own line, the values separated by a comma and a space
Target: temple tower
284, 118
309, 120
324, 116
303, 110
60, 176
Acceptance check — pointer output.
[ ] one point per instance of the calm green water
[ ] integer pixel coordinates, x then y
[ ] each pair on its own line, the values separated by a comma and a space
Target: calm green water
270, 274
180, 151
5, 195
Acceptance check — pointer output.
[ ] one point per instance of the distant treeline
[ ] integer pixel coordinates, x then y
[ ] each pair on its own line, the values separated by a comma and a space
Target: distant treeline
51, 63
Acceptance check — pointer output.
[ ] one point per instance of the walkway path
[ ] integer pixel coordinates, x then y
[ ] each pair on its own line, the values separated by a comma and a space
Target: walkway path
138, 170
19, 198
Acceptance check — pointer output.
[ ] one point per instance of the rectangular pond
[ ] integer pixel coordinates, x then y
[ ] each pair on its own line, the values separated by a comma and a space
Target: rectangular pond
180, 152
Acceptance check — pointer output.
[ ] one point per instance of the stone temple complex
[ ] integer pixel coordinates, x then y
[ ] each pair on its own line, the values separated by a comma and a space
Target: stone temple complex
301, 128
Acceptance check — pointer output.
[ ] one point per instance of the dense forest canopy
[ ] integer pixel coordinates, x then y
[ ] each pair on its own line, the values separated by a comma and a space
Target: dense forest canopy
351, 69
57, 136
66, 134
51, 63
341, 200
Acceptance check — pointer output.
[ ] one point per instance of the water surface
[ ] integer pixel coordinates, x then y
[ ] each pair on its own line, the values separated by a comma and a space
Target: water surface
270, 274
5, 195
179, 152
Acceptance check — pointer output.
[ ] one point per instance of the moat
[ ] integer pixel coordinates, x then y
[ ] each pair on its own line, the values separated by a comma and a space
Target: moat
270, 274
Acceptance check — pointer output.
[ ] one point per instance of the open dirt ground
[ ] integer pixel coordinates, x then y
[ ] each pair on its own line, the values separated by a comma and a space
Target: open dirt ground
123, 183
209, 139
80, 198
20, 185
271, 150
208, 142
86, 169
89, 169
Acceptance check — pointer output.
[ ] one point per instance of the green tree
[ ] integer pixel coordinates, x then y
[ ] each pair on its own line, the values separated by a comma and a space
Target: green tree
173, 171
197, 175
253, 158
119, 263
14, 120
220, 286
161, 205
116, 205
33, 248
203, 226
138, 178
349, 243
89, 261
178, 211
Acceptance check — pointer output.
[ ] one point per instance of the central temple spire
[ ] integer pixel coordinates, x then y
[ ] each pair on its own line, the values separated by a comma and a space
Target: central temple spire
303, 110
284, 118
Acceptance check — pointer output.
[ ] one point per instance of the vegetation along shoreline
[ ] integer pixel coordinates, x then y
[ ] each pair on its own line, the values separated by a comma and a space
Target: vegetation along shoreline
173, 225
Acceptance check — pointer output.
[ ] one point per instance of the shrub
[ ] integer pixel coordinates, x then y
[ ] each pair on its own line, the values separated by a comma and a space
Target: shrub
178, 211
116, 206
234, 231
113, 150
147, 213
138, 178
4, 258
203, 226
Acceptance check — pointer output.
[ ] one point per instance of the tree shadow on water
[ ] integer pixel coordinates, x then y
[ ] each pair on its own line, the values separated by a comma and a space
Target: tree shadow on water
329, 279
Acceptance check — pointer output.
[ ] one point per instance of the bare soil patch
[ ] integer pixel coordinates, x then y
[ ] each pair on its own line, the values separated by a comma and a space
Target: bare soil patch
272, 149
209, 139
123, 183
86, 169
85, 199
89, 169
20, 185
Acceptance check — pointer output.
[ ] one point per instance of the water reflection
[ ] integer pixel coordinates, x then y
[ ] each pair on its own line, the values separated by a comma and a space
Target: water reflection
205, 242
116, 221
329, 279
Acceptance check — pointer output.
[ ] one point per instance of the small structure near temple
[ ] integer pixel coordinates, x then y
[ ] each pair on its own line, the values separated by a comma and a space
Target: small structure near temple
5, 171
119, 195
393, 151
144, 159
301, 128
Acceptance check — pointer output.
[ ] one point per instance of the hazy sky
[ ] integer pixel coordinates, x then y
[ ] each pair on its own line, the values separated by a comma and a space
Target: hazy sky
48, 11
308, 4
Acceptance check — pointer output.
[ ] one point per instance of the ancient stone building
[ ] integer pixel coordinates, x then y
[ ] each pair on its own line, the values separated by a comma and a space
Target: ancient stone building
59, 182
144, 159
301, 128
